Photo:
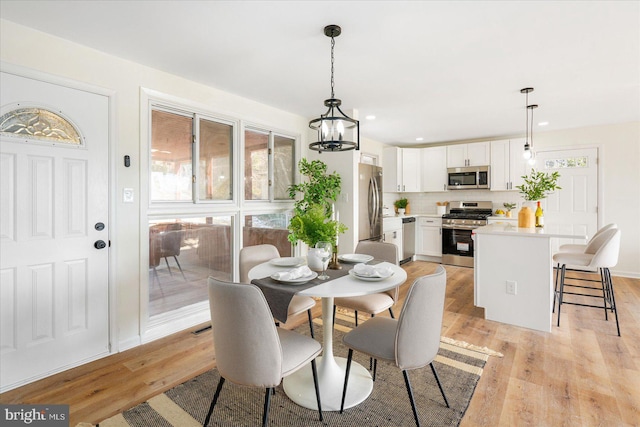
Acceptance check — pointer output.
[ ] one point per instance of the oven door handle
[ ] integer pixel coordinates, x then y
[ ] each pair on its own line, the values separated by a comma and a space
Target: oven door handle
459, 227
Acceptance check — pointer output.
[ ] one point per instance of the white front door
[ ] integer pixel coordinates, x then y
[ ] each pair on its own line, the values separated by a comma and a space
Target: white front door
54, 298
574, 209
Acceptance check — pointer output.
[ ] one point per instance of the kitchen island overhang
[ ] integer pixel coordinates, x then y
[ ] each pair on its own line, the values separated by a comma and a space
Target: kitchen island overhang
513, 274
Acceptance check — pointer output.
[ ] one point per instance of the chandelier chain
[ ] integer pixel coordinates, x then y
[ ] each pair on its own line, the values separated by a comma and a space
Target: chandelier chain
333, 43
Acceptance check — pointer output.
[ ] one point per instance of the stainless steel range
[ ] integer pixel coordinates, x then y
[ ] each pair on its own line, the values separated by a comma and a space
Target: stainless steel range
457, 227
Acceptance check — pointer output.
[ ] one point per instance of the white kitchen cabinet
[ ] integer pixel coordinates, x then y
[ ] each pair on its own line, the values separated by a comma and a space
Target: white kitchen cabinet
429, 239
507, 164
392, 232
401, 168
434, 169
473, 154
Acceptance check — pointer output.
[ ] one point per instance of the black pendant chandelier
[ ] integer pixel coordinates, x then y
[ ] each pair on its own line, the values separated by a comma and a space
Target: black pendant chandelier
528, 153
333, 124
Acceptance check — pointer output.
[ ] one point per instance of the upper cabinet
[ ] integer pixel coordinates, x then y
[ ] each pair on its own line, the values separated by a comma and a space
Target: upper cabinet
507, 164
474, 154
401, 168
434, 169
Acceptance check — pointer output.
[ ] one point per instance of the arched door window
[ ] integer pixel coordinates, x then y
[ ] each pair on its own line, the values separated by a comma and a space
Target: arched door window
39, 124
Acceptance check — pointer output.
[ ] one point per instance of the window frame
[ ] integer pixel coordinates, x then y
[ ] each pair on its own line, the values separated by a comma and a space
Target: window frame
196, 115
270, 161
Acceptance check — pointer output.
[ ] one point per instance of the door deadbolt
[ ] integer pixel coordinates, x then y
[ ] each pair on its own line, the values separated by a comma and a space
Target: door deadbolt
99, 226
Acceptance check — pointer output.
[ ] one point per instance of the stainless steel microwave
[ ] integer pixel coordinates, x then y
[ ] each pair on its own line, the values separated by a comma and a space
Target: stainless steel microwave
468, 178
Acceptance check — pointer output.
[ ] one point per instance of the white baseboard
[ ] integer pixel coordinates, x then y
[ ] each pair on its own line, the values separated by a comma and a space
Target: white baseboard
129, 343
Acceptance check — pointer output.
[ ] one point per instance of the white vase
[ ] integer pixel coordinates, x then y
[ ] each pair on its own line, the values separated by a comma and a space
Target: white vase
401, 211
314, 261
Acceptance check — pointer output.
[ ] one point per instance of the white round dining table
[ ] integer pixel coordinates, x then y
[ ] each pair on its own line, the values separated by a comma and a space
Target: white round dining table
331, 370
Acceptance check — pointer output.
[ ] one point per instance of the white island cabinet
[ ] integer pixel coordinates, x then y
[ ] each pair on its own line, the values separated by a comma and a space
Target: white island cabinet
513, 274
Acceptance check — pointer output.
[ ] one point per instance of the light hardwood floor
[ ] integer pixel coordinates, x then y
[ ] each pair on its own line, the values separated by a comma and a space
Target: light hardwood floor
581, 374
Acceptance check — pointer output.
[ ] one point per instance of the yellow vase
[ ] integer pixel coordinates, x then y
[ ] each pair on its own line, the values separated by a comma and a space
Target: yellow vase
526, 218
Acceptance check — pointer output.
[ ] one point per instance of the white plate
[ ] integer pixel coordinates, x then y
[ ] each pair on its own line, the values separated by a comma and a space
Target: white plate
299, 280
287, 261
368, 278
355, 258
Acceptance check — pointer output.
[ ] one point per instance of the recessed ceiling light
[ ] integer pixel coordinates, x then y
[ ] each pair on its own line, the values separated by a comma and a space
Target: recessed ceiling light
370, 117
543, 123
420, 139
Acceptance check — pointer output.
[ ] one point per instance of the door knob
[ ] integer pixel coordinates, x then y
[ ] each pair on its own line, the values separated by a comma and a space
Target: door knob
100, 244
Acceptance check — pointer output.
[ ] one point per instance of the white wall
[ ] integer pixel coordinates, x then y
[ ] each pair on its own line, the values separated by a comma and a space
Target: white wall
25, 47
620, 169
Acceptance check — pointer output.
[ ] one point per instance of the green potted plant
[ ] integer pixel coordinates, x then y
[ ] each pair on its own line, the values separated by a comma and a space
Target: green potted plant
537, 185
401, 205
312, 220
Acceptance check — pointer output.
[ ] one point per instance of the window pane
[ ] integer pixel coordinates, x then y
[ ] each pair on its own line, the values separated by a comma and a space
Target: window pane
267, 229
183, 253
283, 162
256, 165
171, 156
215, 160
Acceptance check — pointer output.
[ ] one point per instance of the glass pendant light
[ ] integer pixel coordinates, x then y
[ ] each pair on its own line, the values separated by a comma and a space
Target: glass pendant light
528, 148
331, 126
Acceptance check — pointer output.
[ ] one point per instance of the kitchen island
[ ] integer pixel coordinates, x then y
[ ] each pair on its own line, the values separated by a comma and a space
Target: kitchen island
513, 274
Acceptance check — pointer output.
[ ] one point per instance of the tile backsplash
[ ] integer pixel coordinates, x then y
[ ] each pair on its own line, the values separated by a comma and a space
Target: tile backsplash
425, 203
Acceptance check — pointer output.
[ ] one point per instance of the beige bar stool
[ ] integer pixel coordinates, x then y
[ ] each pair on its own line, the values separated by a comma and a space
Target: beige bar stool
601, 253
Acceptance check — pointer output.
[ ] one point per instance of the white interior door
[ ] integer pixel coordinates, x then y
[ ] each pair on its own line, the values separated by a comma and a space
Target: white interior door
54, 303
574, 209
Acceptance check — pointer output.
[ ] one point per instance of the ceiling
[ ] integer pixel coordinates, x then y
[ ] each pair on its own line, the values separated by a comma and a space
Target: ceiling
442, 71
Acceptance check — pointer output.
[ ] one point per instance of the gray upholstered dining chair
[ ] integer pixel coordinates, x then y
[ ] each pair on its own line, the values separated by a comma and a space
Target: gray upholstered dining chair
250, 256
410, 342
374, 303
601, 254
250, 350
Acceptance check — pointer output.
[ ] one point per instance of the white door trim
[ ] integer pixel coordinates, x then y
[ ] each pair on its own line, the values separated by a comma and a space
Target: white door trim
111, 95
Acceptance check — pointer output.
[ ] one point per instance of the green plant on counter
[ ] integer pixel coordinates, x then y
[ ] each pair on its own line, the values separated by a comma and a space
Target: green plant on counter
538, 185
401, 203
509, 206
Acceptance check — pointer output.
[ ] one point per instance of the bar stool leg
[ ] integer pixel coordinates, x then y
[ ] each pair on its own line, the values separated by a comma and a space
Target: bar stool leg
605, 293
562, 272
555, 289
613, 298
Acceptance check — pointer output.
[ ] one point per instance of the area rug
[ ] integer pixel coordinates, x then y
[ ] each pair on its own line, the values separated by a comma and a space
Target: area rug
459, 367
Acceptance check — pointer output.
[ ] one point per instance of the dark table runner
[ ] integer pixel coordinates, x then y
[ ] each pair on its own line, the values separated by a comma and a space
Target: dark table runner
279, 295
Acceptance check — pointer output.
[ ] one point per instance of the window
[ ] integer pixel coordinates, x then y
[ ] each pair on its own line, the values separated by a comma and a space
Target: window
183, 253
569, 162
175, 137
268, 176
195, 218
40, 124
267, 229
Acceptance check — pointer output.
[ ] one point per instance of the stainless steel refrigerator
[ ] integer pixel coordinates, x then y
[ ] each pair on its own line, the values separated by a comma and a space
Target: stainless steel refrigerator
369, 202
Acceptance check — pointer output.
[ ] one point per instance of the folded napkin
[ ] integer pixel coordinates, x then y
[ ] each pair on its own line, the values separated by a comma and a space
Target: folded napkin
372, 270
296, 273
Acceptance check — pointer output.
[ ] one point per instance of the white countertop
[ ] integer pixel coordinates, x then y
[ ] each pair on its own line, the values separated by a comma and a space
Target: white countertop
508, 229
